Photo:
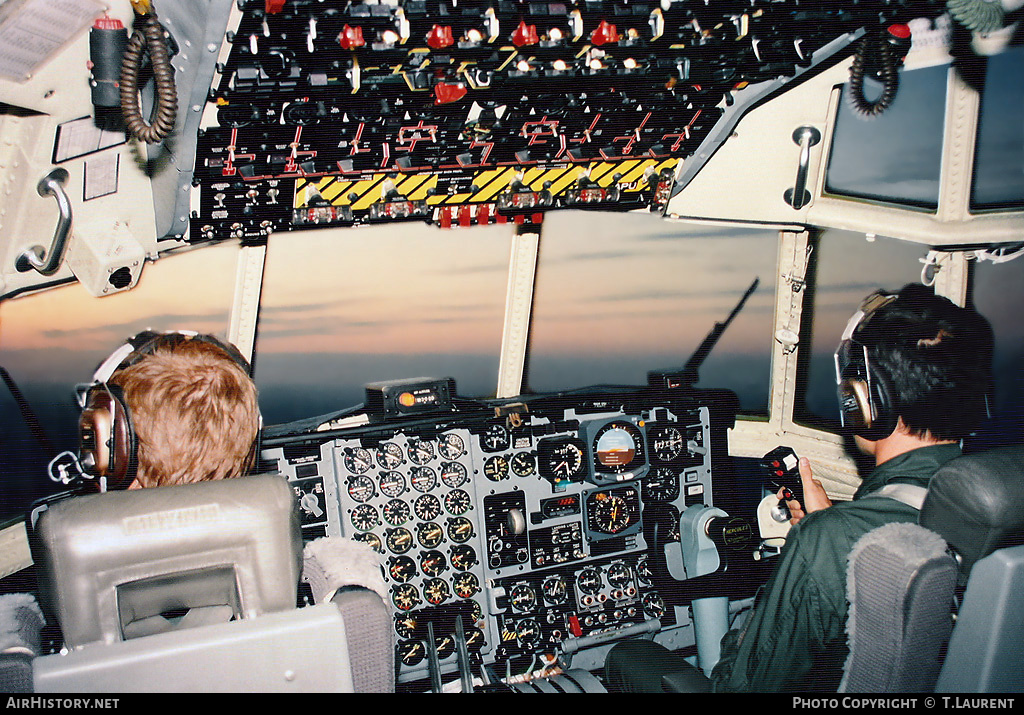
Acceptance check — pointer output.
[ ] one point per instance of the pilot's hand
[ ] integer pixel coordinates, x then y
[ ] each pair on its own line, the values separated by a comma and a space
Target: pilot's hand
815, 498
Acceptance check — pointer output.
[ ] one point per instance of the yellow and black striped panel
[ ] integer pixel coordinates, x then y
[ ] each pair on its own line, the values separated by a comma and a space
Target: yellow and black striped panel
487, 185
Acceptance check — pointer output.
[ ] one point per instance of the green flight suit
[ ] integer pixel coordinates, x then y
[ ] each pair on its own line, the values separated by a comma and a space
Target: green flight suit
795, 639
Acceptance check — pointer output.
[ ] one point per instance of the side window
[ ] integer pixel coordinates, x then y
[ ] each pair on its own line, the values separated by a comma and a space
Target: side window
343, 309
845, 269
894, 157
618, 295
998, 293
999, 155
53, 340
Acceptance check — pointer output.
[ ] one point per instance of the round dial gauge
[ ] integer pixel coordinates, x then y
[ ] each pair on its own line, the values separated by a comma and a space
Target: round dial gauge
561, 459
427, 507
460, 529
357, 460
411, 652
618, 447
436, 591
475, 639
522, 598
466, 585
398, 540
389, 455
364, 517
667, 443
643, 570
423, 479
396, 512
653, 605
523, 464
555, 589
405, 625
433, 563
589, 581
453, 474
496, 468
445, 645
429, 534
661, 484
392, 484
463, 557
361, 488
402, 568
608, 514
620, 575
405, 596
451, 446
420, 451
495, 438
372, 539
527, 632
457, 502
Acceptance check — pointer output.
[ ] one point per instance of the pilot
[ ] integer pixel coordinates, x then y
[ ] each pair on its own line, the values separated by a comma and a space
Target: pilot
914, 372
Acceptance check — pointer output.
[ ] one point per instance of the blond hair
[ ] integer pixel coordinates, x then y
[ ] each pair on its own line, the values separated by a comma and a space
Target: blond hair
194, 412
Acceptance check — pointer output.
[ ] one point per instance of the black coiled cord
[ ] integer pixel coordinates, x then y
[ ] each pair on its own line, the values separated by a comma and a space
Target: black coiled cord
150, 39
889, 76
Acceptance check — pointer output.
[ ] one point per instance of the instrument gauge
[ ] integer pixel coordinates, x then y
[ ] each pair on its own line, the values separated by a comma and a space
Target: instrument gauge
422, 479
405, 625
396, 512
450, 446
433, 563
427, 507
523, 464
620, 575
463, 557
589, 580
453, 474
429, 534
398, 540
445, 645
609, 515
661, 484
357, 460
392, 484
420, 451
496, 438
528, 632
389, 455
411, 652
667, 443
436, 591
361, 488
365, 517
457, 502
460, 529
475, 639
370, 538
554, 589
496, 468
466, 585
522, 598
402, 568
643, 570
561, 459
405, 596
654, 606
618, 448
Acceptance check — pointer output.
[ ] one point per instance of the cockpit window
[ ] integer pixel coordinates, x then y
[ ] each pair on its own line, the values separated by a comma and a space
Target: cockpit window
618, 295
999, 156
379, 303
55, 339
845, 268
894, 157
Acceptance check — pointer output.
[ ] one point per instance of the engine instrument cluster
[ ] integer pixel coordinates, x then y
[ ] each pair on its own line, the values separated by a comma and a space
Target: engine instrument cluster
530, 527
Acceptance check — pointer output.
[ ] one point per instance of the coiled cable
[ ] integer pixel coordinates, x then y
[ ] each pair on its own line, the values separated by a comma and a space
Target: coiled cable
888, 74
165, 110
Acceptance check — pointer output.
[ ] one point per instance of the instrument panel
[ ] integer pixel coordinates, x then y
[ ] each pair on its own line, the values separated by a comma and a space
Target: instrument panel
530, 527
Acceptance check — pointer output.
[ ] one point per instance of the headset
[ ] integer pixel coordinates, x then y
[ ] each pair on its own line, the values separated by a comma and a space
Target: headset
867, 401
108, 446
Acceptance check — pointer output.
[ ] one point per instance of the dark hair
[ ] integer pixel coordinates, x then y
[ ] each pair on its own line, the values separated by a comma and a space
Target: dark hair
938, 359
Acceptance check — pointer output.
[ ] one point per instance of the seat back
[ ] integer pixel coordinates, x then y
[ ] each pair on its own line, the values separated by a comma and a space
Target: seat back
121, 565
902, 586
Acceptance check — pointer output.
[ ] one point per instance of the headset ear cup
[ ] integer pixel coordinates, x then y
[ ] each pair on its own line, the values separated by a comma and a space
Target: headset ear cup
868, 407
107, 442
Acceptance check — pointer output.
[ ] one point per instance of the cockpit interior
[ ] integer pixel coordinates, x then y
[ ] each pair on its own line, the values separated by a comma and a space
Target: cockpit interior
541, 300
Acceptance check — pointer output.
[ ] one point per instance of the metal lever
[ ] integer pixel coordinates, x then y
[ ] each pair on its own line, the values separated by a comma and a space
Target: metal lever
37, 257
798, 196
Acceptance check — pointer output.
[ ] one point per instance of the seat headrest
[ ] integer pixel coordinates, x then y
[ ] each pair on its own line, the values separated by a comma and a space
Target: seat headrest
976, 502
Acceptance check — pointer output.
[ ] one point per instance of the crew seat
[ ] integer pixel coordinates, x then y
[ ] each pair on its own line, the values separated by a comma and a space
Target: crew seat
905, 581
194, 588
